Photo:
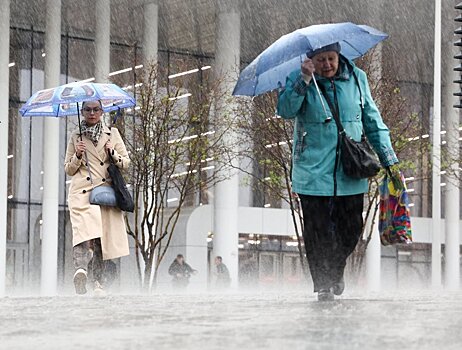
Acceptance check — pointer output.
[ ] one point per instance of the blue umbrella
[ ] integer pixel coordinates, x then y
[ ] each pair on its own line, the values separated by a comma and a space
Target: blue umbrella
64, 100
269, 70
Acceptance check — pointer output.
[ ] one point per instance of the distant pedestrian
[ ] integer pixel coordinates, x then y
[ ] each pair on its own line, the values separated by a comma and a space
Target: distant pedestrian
223, 280
181, 272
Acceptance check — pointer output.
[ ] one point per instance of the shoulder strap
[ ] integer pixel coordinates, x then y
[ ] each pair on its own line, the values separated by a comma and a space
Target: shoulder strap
360, 91
109, 153
88, 168
88, 163
361, 101
335, 110
332, 109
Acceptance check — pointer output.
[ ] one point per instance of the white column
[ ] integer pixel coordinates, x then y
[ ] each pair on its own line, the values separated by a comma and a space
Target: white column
452, 207
452, 193
4, 102
227, 58
374, 250
373, 257
51, 160
150, 32
436, 154
102, 40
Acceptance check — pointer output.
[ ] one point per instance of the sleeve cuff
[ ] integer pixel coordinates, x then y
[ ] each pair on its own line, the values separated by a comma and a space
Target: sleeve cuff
114, 154
306, 78
300, 85
76, 160
117, 158
388, 157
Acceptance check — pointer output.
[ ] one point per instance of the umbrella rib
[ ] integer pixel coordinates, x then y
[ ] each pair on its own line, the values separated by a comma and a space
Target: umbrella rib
354, 48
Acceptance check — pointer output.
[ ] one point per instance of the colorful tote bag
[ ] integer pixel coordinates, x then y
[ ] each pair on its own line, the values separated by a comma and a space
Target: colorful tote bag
395, 218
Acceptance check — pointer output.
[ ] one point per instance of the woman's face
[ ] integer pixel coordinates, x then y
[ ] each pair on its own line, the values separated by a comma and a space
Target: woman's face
326, 63
92, 112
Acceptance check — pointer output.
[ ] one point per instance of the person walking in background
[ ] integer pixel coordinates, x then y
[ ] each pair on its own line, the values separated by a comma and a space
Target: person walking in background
98, 232
181, 272
332, 202
223, 280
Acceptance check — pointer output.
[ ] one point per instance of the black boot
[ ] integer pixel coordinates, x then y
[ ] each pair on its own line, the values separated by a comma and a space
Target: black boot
339, 286
326, 295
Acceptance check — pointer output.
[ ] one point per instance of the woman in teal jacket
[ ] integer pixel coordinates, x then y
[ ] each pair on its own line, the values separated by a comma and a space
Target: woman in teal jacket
332, 202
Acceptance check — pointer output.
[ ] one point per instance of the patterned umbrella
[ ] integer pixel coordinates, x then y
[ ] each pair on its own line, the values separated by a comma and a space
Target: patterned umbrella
67, 100
64, 100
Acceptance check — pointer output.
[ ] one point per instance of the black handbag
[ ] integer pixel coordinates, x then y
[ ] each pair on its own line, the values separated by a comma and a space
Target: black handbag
358, 159
123, 197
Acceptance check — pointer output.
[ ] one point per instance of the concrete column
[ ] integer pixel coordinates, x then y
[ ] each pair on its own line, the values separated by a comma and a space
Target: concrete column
102, 40
4, 102
452, 207
452, 193
51, 160
374, 249
227, 58
150, 34
373, 257
436, 153
374, 11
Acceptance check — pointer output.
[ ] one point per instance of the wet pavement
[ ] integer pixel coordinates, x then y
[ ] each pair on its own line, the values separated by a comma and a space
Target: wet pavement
277, 320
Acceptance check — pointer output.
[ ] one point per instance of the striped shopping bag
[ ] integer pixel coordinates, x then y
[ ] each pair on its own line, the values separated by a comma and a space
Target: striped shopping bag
394, 218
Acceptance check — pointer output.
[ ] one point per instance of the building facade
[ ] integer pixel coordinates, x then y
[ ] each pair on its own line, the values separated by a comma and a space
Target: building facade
191, 35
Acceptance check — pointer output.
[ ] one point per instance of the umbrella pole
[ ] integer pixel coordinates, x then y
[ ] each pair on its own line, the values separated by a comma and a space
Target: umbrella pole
80, 131
117, 115
78, 117
328, 119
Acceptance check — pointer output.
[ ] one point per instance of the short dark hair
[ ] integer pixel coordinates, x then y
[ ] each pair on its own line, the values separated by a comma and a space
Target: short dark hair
100, 103
219, 258
179, 256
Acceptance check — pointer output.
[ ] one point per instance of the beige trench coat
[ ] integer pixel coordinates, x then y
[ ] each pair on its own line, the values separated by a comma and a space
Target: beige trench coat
92, 221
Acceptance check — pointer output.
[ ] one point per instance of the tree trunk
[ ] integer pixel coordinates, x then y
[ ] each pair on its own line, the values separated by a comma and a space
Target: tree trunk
147, 277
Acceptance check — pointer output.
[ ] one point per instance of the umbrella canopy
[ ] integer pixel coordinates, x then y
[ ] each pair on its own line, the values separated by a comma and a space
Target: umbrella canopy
269, 70
65, 100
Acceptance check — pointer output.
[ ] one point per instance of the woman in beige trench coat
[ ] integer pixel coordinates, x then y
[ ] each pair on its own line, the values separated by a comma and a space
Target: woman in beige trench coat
99, 232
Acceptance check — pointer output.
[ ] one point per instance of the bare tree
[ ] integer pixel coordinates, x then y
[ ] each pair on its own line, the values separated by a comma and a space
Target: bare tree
405, 130
271, 140
176, 152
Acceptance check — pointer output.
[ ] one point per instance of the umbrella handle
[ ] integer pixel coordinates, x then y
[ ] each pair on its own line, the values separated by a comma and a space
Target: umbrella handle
80, 126
328, 118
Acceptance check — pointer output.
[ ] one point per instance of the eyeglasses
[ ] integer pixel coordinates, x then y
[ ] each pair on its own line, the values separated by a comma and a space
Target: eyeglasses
94, 110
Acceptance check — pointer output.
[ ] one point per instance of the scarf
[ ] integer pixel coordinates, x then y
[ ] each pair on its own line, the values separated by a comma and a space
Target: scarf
93, 133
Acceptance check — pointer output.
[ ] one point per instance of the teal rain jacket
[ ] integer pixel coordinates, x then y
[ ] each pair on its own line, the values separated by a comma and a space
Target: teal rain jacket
315, 141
